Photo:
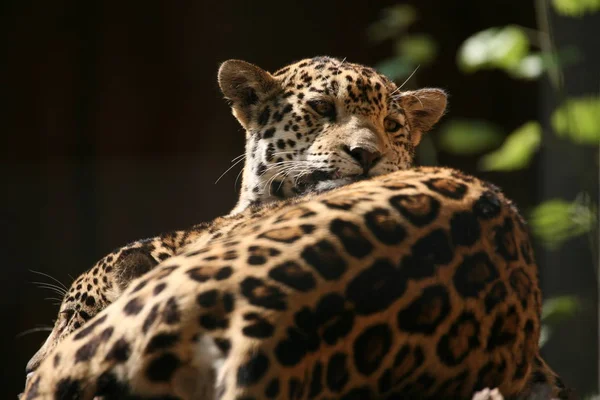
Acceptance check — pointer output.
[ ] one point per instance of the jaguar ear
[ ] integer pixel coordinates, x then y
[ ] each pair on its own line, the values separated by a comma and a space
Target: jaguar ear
246, 86
423, 109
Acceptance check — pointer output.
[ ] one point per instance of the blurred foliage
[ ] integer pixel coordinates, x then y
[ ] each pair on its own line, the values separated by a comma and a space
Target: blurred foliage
529, 67
534, 64
576, 8
509, 49
579, 120
393, 21
469, 136
555, 221
421, 49
396, 68
410, 50
555, 311
516, 151
524, 54
502, 48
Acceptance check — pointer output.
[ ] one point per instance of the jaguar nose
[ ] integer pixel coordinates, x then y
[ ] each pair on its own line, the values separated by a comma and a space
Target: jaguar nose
364, 157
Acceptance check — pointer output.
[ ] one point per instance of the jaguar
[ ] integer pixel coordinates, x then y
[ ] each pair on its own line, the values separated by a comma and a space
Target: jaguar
312, 127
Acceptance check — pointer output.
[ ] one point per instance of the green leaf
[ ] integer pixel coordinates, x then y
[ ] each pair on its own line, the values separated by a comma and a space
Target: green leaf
530, 67
469, 136
556, 221
517, 150
393, 21
533, 65
502, 48
396, 68
559, 309
579, 120
554, 311
420, 49
575, 8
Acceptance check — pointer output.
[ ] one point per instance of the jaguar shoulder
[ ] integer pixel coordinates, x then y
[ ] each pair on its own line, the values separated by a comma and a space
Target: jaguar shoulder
417, 284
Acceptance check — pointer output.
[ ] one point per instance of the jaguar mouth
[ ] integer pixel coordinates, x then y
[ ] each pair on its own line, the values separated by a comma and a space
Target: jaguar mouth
323, 180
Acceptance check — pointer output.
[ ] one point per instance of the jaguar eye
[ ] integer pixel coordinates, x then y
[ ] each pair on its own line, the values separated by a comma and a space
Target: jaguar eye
391, 125
324, 108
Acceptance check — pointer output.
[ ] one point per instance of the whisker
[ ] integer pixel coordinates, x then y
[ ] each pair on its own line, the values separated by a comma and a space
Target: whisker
229, 169
49, 286
270, 181
410, 76
240, 156
279, 153
284, 169
289, 171
277, 167
303, 172
268, 184
404, 83
33, 330
418, 99
237, 177
286, 163
51, 277
289, 161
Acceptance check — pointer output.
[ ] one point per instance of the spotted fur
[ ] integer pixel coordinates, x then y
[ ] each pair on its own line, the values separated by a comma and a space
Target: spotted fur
312, 126
293, 147
416, 284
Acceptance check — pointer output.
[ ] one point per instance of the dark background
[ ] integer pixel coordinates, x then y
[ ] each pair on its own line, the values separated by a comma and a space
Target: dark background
113, 129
